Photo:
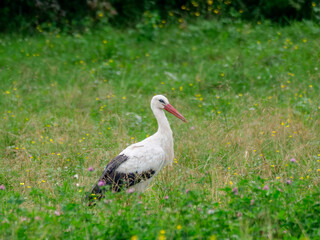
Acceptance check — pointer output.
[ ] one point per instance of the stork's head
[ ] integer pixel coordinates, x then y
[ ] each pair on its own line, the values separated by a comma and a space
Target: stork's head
161, 102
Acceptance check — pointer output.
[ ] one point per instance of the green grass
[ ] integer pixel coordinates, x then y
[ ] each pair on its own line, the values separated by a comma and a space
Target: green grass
250, 93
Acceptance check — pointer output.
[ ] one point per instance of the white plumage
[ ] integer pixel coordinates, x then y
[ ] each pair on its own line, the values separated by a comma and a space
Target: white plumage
139, 163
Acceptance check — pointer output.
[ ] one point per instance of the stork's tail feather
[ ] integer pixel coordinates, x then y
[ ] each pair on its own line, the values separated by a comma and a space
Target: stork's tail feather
109, 180
95, 194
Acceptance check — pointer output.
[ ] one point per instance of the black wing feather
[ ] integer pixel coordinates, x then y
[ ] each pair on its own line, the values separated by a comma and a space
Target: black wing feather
118, 180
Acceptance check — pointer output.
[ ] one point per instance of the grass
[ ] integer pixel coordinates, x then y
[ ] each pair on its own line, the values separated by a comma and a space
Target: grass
249, 91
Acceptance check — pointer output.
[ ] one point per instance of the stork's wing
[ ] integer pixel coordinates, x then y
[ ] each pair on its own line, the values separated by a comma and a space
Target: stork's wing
118, 179
129, 168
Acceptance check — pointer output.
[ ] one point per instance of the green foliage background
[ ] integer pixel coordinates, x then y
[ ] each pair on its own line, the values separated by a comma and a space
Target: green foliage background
19, 15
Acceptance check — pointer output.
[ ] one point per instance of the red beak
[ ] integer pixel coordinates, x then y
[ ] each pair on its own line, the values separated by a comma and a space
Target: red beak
173, 111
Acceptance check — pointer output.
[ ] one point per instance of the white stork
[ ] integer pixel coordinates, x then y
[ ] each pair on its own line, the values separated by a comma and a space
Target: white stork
139, 163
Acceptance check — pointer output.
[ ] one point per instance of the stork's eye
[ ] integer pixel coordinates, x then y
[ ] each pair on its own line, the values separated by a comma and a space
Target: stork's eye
161, 101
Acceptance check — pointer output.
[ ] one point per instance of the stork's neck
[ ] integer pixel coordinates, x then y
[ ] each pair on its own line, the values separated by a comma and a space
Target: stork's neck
163, 124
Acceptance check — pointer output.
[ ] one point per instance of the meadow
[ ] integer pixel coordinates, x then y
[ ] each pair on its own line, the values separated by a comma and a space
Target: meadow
247, 164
